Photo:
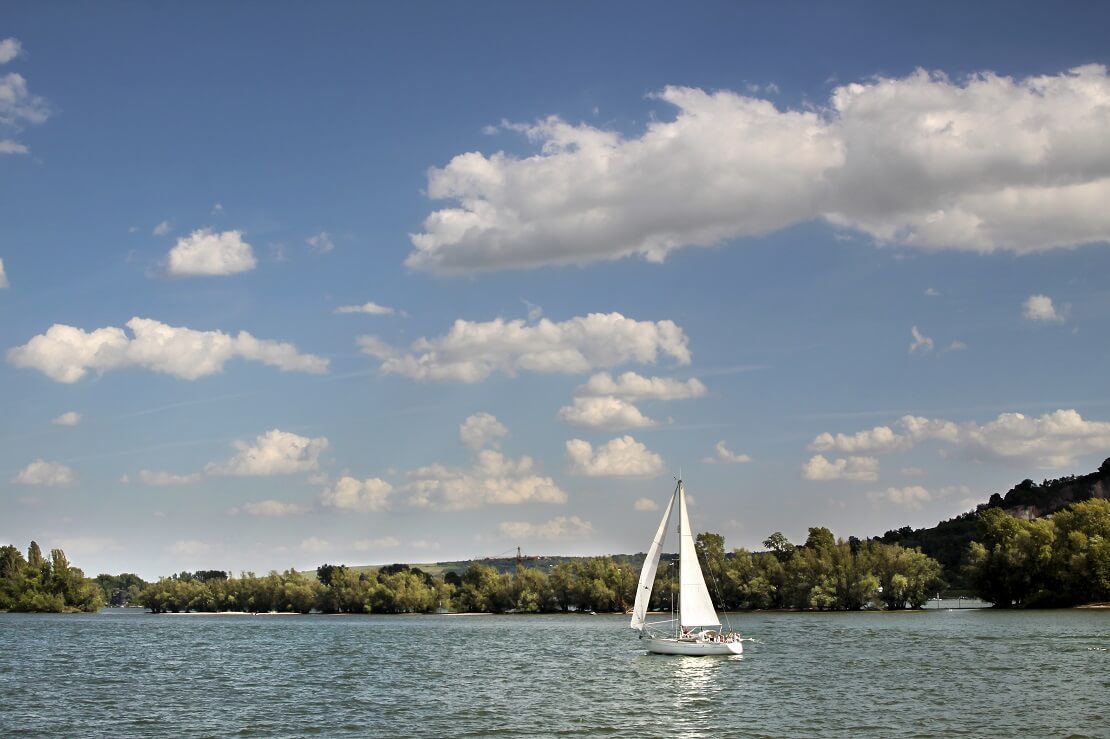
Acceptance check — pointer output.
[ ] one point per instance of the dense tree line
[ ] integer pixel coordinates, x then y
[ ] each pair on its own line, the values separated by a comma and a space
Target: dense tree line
1059, 561
38, 584
822, 574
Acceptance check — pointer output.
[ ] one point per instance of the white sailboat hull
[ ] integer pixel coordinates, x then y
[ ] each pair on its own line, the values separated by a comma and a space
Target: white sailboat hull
692, 648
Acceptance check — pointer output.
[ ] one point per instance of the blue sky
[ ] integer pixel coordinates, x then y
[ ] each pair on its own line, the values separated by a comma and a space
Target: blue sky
283, 285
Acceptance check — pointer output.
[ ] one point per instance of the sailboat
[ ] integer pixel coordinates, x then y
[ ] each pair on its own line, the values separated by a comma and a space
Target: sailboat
696, 630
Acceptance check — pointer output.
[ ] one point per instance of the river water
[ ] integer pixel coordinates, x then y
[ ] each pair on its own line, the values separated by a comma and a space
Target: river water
940, 672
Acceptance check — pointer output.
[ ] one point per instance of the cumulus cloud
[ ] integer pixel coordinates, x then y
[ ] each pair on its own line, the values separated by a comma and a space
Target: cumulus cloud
620, 457
269, 508
481, 429
321, 242
850, 468
65, 353
365, 496
46, 474
877, 440
632, 386
493, 479
921, 343
372, 308
10, 48
912, 496
645, 504
162, 228
167, 479
18, 107
723, 455
188, 547
560, 527
1040, 308
385, 542
206, 253
983, 163
604, 414
1051, 440
3, 276
272, 453
471, 351
315, 545
69, 418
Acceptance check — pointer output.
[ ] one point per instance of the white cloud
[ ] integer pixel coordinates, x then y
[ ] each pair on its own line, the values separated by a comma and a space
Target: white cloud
204, 252
645, 504
17, 105
272, 453
315, 545
723, 455
217, 209
365, 496
932, 292
10, 146
3, 276
471, 351
921, 343
560, 527
372, 308
1040, 308
270, 508
480, 430
48, 474
66, 353
604, 414
850, 468
385, 542
1051, 440
162, 228
69, 418
492, 480
188, 547
877, 440
956, 346
10, 48
912, 496
321, 242
985, 163
167, 479
636, 387
620, 457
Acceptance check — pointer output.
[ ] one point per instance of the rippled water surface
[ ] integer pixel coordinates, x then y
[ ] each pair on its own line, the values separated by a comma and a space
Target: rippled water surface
970, 672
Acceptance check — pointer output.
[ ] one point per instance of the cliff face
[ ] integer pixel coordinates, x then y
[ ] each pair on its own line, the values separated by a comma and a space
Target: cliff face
1027, 499
947, 542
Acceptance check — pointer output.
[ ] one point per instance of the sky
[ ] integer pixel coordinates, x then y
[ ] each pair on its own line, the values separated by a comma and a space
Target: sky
283, 285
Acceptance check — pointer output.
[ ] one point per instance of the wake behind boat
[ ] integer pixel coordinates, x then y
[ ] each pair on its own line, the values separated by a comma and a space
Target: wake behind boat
696, 631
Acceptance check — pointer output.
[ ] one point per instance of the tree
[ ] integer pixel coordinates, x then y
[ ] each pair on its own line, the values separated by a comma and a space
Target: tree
778, 544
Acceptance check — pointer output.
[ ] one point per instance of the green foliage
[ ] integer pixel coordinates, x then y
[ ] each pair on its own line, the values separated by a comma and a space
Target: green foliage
1058, 561
38, 584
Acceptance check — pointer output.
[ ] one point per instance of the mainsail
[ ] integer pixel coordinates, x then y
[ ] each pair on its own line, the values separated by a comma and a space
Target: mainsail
695, 605
651, 564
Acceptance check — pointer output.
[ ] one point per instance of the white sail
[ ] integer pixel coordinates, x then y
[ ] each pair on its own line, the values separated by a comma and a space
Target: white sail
651, 564
695, 605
